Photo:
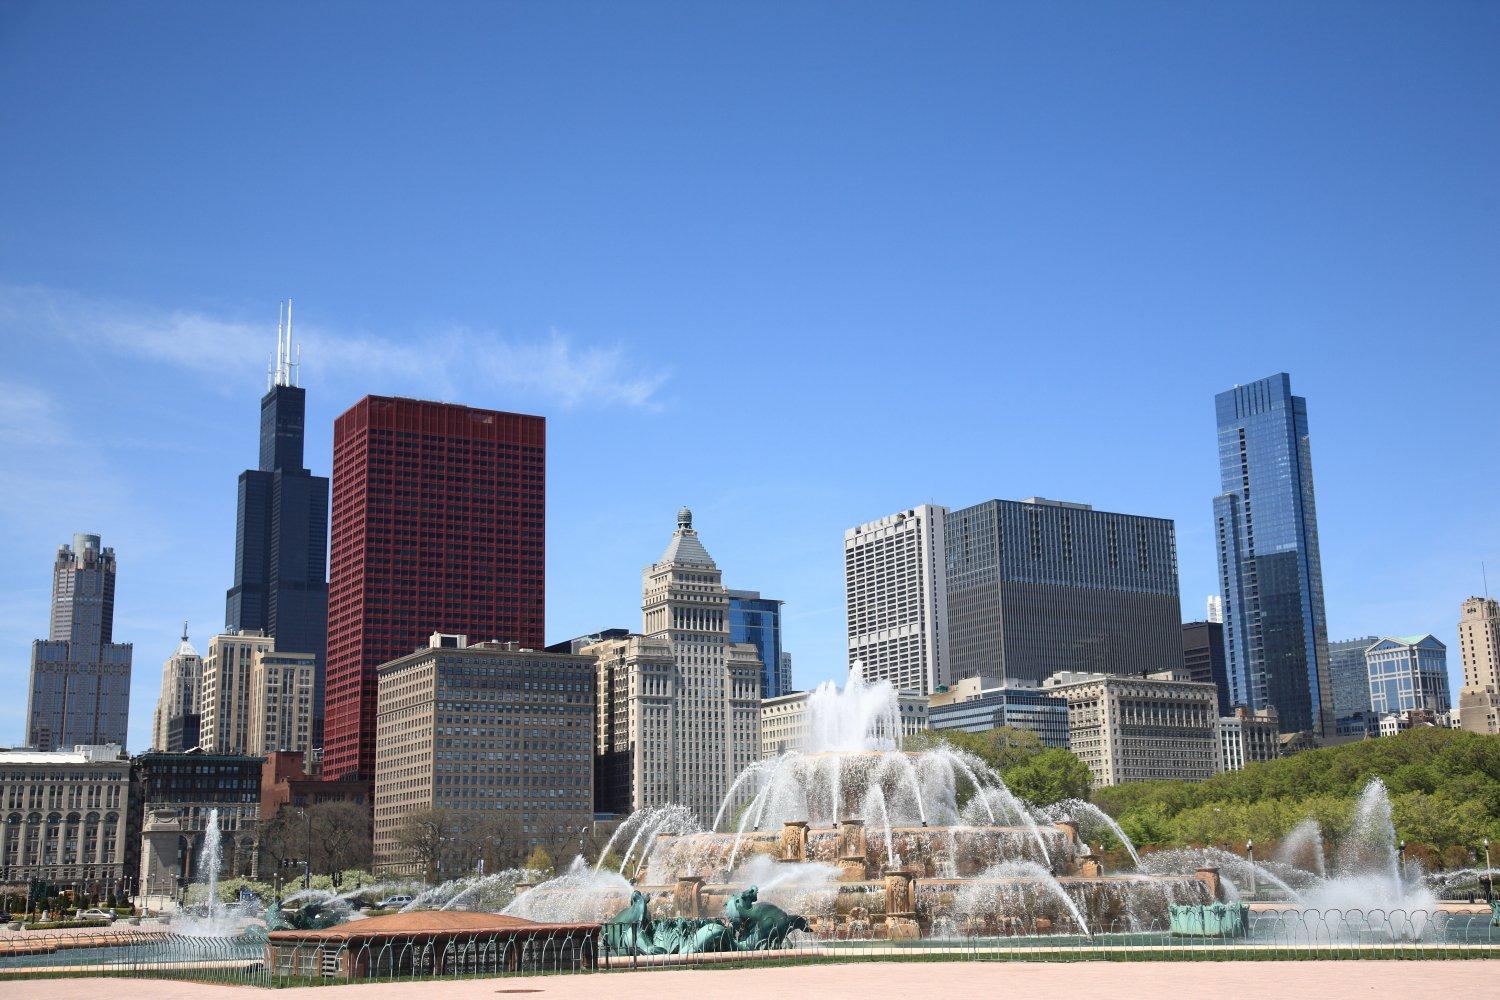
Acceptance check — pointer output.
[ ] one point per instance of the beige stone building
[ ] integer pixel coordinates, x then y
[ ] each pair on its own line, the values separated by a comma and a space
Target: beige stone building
1479, 645
635, 730
181, 692
896, 598
64, 815
255, 699
488, 726
716, 682
1162, 726
281, 702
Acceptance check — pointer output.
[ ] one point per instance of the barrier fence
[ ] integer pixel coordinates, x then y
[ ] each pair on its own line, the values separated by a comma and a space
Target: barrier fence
246, 959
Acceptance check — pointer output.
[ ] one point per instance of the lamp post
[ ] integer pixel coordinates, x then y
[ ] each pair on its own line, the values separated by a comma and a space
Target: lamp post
1401, 862
1250, 853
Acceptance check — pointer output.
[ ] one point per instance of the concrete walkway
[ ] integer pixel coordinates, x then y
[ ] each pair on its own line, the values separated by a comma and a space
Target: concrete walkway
1414, 980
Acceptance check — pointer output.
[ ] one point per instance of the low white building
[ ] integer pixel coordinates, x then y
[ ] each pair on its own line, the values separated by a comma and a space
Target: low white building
1248, 737
783, 721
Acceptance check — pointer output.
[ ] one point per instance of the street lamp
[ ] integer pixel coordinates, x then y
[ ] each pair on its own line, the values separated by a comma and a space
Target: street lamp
1250, 853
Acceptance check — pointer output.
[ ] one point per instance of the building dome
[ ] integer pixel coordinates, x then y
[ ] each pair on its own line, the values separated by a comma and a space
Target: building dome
684, 518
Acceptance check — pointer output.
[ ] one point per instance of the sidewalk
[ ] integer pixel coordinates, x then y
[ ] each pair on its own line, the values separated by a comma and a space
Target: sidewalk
1418, 980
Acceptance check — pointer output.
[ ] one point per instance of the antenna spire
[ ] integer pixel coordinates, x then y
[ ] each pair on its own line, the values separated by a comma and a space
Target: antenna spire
283, 368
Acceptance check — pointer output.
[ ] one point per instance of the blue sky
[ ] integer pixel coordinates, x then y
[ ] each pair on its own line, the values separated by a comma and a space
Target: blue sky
797, 266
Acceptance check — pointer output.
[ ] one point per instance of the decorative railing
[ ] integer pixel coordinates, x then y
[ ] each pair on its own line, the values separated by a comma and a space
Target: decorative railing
252, 959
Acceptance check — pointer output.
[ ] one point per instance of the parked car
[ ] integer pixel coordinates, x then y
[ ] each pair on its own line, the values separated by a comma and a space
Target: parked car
393, 902
96, 914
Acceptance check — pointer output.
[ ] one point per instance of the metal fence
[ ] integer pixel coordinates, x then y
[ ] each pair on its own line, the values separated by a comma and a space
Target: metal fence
246, 959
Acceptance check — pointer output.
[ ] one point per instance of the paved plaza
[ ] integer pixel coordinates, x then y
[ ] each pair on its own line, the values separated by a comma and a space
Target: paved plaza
1415, 980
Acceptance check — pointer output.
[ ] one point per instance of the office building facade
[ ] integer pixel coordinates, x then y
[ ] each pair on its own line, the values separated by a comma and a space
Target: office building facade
181, 692
280, 584
479, 727
896, 599
179, 793
79, 693
1479, 646
1161, 727
1408, 673
1037, 586
1266, 528
969, 706
637, 717
65, 816
439, 520
1350, 676
1247, 737
1203, 658
756, 621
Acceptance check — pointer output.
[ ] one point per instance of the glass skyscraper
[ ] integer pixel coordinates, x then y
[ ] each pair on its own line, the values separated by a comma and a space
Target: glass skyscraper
1275, 632
757, 620
1350, 675
1407, 673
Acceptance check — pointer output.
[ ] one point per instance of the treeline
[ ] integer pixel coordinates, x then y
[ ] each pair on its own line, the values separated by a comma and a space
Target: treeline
1444, 786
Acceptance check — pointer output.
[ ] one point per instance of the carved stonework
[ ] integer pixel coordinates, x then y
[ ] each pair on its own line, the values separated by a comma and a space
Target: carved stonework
1209, 876
794, 841
900, 893
687, 896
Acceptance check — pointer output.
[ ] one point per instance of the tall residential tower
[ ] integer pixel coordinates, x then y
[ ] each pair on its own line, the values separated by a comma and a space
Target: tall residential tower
80, 677
1275, 631
896, 599
281, 530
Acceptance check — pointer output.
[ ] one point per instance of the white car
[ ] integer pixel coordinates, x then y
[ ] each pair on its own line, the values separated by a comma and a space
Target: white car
96, 915
393, 902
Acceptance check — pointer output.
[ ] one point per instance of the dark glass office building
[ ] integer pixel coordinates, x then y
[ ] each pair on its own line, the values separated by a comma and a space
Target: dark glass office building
757, 620
1037, 586
1019, 708
281, 536
1275, 632
1350, 675
1203, 659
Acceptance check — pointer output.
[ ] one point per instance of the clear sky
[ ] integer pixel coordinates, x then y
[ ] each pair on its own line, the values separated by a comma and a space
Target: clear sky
797, 266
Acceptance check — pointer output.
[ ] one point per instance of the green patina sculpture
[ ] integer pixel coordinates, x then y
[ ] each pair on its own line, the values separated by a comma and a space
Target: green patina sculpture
747, 926
310, 916
758, 926
1210, 919
1495, 913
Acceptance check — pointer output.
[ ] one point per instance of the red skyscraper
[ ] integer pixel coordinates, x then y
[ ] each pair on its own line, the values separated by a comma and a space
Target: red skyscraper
439, 515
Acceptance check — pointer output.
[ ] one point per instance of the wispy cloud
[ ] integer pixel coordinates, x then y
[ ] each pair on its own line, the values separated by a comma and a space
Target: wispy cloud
446, 362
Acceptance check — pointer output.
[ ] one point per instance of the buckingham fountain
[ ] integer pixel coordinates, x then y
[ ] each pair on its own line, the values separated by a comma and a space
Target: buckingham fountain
862, 839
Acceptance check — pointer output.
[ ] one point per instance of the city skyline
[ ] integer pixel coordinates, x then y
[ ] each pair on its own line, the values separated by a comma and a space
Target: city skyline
979, 269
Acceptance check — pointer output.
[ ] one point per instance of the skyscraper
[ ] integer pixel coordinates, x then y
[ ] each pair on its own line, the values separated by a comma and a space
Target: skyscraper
896, 599
1350, 675
757, 620
1036, 586
181, 686
1275, 631
281, 530
1479, 645
1203, 658
80, 677
1408, 673
685, 607
439, 517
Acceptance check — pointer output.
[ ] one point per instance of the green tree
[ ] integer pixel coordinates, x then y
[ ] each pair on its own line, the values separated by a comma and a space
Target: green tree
1050, 776
539, 859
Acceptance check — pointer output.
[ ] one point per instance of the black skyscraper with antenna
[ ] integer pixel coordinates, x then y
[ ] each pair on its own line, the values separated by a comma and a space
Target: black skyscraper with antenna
281, 528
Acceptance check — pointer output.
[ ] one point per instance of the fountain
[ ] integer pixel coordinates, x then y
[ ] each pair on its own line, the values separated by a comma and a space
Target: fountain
212, 918
862, 839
